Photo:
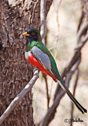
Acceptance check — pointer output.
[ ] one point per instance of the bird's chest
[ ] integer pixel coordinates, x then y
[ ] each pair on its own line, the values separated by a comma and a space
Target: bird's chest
38, 58
27, 54
32, 60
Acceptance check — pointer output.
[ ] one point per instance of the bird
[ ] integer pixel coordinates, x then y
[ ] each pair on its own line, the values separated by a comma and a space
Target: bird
39, 56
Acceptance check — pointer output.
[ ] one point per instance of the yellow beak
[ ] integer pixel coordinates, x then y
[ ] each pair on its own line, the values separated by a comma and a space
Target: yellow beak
26, 34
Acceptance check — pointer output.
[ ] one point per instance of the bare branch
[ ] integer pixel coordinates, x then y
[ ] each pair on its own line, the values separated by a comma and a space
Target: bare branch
81, 20
82, 43
75, 55
43, 34
43, 19
82, 31
20, 96
46, 120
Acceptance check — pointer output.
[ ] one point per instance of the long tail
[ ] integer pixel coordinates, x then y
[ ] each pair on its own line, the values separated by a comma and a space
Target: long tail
78, 105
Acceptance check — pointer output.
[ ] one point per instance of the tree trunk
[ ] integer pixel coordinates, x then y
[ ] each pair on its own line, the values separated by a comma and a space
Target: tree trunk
15, 71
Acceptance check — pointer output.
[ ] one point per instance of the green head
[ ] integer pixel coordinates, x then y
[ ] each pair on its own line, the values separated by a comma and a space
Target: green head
32, 34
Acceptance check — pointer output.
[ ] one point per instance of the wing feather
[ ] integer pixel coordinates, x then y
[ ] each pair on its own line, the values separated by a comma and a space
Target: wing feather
42, 58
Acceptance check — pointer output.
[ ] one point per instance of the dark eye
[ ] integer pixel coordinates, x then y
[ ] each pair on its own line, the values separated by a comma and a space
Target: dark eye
32, 34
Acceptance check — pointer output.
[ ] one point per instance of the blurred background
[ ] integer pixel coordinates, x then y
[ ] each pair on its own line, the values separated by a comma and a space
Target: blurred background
62, 23
64, 19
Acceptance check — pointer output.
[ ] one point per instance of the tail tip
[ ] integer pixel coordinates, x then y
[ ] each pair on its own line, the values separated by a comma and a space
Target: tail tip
85, 111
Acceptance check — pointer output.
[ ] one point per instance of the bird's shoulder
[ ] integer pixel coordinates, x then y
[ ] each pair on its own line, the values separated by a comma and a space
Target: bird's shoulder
43, 48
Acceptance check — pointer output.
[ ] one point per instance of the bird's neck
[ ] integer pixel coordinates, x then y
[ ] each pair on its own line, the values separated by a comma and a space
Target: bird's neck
28, 40
30, 43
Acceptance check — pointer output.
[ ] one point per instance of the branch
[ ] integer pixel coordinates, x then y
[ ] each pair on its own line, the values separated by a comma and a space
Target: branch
73, 59
43, 34
43, 19
69, 70
82, 31
46, 120
20, 96
81, 20
75, 55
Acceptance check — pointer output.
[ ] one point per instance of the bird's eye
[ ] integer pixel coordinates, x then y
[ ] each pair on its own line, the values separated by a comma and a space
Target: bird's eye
32, 33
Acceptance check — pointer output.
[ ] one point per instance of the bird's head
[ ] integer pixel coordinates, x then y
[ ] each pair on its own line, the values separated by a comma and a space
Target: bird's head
33, 34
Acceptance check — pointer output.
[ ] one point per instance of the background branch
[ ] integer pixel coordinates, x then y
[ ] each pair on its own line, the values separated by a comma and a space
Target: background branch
74, 60
43, 34
69, 70
43, 19
71, 67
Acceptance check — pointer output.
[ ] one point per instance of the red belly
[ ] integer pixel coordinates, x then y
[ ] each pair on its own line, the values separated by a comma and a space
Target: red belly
31, 59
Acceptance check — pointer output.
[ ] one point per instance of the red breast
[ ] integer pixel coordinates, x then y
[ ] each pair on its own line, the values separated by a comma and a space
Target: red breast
31, 59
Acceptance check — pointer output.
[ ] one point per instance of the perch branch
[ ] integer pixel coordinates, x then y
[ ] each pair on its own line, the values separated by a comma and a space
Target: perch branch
20, 96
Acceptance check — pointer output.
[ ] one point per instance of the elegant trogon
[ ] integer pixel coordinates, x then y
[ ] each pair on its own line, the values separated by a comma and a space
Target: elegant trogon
39, 56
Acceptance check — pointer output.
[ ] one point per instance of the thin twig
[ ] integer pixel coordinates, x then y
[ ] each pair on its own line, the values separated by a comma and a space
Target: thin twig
46, 120
81, 20
82, 30
75, 55
43, 34
20, 96
43, 19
